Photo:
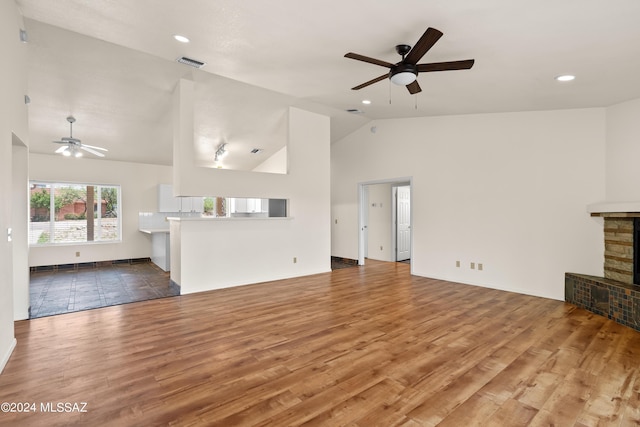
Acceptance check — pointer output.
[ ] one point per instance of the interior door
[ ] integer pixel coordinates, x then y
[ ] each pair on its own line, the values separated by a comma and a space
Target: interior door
403, 223
365, 220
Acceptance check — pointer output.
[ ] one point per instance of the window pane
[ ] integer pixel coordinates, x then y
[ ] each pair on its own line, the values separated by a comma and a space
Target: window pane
40, 205
71, 213
108, 214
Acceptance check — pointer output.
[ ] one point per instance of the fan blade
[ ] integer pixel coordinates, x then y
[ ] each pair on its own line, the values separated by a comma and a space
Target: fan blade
426, 42
91, 150
445, 66
414, 87
61, 149
60, 142
363, 58
72, 140
94, 147
370, 82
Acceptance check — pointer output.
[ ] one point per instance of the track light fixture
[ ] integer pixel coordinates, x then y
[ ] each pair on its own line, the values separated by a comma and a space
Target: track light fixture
221, 151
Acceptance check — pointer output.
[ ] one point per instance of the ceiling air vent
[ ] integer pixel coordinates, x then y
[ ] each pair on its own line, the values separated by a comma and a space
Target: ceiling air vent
354, 111
257, 151
191, 62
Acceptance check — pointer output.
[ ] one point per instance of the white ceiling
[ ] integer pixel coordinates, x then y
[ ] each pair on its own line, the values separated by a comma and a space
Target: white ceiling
112, 65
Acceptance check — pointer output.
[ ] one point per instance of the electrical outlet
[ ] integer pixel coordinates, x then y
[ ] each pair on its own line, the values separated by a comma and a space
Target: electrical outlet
295, 259
336, 221
458, 264
380, 247
77, 254
473, 265
480, 266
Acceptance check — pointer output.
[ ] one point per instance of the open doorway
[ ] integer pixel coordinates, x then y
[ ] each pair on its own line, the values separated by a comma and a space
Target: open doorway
385, 232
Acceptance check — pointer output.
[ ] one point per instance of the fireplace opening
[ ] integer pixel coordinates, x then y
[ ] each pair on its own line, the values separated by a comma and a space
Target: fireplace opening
636, 251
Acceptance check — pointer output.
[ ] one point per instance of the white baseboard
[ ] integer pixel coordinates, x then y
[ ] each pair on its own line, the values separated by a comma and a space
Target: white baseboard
7, 355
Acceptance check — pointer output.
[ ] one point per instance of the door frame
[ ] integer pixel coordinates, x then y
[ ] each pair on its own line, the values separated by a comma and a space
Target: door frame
362, 214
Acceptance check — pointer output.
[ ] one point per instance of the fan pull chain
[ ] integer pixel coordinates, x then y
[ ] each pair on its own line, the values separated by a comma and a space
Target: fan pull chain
416, 97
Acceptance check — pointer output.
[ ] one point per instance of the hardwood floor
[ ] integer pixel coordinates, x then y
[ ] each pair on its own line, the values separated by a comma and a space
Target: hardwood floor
364, 346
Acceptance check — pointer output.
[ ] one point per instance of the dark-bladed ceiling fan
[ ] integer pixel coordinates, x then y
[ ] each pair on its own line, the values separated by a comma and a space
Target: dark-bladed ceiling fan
406, 71
72, 146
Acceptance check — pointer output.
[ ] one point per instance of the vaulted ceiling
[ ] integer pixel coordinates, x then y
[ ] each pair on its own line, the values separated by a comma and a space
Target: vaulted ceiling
112, 65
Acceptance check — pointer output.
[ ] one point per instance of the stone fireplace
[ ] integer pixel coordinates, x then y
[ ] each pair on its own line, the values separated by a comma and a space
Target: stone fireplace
621, 249
617, 294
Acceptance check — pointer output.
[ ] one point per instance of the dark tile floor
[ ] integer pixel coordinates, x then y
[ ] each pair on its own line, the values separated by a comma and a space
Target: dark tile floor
338, 263
65, 291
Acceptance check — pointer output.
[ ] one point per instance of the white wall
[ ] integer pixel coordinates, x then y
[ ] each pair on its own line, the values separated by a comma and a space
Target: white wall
139, 192
506, 190
20, 214
13, 121
379, 226
277, 163
216, 254
623, 152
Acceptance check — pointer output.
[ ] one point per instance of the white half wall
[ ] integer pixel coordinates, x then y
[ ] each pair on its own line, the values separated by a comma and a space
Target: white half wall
220, 253
506, 190
139, 187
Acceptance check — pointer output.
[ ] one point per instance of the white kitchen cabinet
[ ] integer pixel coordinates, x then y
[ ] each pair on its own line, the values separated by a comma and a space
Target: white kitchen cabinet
239, 205
192, 204
166, 201
160, 250
243, 205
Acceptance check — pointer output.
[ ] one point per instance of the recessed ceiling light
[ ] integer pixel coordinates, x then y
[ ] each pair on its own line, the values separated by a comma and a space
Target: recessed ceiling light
565, 78
181, 39
366, 101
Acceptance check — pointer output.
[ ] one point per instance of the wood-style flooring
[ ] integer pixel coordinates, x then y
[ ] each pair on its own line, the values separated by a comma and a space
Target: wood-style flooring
362, 346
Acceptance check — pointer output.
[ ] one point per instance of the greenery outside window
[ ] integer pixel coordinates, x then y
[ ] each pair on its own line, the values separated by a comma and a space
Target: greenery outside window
62, 213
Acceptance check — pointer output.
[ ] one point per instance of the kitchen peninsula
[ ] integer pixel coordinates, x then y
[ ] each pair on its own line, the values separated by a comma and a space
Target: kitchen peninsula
212, 253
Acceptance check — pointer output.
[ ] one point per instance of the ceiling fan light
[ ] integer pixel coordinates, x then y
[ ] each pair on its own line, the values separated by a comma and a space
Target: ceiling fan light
565, 78
66, 153
403, 78
78, 154
181, 38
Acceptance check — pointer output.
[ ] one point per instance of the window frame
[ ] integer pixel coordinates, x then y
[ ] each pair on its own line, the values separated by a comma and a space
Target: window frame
52, 186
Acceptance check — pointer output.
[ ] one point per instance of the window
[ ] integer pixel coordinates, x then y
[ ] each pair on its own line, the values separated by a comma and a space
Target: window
73, 213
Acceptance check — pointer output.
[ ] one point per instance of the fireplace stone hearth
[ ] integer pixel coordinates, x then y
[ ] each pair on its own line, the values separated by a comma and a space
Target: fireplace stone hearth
617, 294
609, 298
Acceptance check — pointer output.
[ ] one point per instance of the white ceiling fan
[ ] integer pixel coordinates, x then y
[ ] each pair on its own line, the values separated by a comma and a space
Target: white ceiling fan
72, 146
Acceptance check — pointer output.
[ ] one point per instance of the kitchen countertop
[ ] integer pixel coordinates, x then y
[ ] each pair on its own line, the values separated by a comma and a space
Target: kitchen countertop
153, 230
210, 218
